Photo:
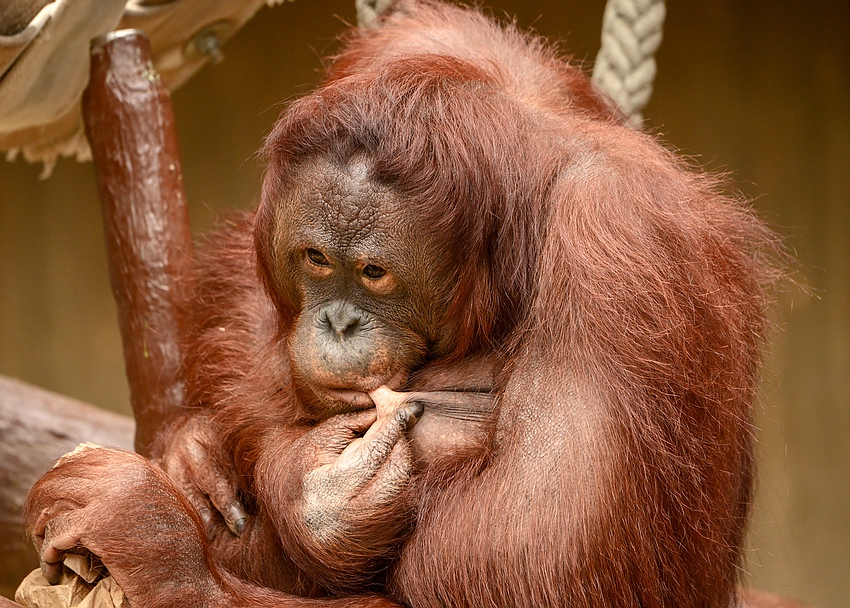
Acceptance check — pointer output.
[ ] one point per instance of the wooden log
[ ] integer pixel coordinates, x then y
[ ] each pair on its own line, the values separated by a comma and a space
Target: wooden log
36, 428
130, 126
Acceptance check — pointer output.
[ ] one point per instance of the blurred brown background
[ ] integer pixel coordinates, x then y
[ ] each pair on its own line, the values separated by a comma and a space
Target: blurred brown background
759, 88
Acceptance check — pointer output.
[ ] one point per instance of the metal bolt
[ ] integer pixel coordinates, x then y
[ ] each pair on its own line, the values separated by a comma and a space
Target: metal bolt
207, 42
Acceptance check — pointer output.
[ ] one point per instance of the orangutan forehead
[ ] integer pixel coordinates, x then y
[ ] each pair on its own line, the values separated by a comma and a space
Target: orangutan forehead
342, 204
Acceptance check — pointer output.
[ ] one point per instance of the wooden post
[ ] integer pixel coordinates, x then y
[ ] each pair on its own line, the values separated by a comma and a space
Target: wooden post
130, 126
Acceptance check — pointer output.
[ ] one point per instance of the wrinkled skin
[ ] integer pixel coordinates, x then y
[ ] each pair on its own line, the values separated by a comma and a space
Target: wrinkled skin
480, 345
71, 506
371, 292
351, 471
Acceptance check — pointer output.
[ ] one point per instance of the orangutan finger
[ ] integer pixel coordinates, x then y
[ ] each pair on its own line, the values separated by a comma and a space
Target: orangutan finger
372, 450
53, 550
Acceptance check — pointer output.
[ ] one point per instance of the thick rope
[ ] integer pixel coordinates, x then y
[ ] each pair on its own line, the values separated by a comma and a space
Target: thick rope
368, 10
625, 66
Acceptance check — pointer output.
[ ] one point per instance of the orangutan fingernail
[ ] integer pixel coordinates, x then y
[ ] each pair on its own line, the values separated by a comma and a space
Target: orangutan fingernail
52, 572
236, 517
416, 408
239, 526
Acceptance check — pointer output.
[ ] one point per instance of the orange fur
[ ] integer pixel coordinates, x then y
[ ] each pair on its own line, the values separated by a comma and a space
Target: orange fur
620, 291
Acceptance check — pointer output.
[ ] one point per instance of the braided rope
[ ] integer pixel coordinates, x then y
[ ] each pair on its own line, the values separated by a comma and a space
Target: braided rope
368, 10
625, 66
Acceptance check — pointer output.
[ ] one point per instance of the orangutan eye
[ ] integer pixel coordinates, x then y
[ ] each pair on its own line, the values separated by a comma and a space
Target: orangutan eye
373, 272
318, 258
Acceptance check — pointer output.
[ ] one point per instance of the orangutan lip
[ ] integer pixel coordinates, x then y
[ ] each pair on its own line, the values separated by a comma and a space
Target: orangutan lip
359, 396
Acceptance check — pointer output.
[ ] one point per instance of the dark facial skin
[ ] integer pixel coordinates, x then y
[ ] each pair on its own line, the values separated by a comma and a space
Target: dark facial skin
372, 289
619, 287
